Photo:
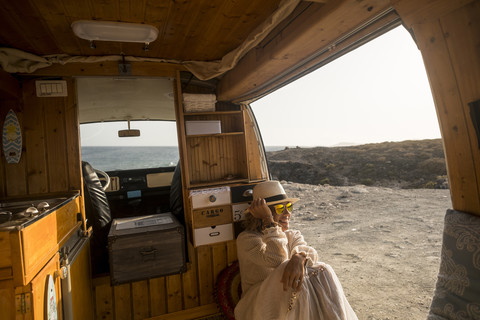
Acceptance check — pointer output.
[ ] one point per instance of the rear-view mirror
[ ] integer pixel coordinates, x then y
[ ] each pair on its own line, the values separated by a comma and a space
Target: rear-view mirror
129, 132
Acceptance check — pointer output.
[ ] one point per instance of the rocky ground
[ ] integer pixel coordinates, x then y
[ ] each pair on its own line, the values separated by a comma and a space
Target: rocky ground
383, 243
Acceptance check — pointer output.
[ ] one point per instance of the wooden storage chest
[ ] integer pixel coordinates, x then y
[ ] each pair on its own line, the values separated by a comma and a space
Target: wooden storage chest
146, 247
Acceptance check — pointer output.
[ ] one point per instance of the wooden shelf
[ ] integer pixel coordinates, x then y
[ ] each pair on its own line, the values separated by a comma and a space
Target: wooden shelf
211, 113
211, 157
215, 135
218, 182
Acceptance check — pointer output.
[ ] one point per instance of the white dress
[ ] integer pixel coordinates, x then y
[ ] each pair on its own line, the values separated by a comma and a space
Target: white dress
263, 257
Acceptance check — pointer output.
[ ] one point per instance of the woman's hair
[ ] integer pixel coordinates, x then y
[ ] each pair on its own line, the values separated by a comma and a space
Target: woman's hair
251, 223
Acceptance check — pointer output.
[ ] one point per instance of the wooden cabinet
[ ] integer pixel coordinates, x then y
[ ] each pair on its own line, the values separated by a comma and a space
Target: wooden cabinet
34, 244
30, 252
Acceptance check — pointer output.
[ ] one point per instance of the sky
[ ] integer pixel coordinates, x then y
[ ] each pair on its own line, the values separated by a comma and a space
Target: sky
378, 92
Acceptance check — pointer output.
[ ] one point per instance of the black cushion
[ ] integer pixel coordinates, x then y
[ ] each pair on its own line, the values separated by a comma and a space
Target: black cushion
99, 218
96, 203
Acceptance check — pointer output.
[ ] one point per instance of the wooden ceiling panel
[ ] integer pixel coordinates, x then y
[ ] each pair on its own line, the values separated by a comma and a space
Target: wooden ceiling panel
21, 24
75, 12
173, 31
194, 43
199, 30
105, 10
58, 23
131, 10
234, 16
11, 36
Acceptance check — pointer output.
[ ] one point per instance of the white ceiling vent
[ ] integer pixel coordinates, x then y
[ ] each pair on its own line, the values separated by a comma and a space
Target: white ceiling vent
51, 88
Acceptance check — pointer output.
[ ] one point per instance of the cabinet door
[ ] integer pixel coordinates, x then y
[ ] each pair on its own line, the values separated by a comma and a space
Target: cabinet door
47, 302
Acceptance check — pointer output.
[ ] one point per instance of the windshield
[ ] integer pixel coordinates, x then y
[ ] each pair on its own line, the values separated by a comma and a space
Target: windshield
157, 145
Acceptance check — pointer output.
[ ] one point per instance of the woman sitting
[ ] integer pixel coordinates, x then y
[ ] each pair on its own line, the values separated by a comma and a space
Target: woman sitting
281, 275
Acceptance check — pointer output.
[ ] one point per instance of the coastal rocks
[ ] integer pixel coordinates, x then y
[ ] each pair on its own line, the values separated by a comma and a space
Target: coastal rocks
407, 164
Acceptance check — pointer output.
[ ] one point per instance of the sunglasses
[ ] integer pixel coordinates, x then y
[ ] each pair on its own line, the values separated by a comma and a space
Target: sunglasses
280, 208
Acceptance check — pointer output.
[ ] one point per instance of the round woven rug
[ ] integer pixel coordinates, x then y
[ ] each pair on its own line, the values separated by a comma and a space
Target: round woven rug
229, 289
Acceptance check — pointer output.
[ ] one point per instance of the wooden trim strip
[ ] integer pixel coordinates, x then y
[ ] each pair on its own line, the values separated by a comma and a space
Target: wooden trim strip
193, 313
109, 68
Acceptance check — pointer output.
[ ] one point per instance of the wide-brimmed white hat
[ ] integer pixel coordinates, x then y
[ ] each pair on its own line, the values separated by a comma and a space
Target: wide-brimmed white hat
272, 192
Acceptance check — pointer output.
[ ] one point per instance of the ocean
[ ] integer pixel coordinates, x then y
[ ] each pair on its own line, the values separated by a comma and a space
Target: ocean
124, 158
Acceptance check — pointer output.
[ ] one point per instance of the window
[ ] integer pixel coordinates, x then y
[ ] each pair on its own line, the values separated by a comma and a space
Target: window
157, 145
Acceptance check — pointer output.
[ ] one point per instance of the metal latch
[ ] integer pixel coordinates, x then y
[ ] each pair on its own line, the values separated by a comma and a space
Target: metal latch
23, 303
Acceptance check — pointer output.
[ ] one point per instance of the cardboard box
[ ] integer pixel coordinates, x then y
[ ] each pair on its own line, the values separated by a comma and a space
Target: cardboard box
146, 247
196, 127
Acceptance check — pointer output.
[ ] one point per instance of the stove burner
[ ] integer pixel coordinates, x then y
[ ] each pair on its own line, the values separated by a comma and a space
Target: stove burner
5, 216
19, 212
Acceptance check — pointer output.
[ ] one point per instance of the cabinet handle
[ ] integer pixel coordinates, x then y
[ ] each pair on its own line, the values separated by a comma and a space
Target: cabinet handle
151, 251
148, 255
212, 198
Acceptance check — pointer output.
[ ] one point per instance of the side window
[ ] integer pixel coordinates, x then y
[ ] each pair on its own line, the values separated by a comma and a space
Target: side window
157, 145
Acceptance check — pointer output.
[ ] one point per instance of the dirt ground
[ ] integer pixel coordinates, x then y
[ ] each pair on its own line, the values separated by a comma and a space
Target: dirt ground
384, 244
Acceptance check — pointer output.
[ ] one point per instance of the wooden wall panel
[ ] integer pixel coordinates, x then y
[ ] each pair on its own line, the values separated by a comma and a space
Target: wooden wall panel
14, 181
140, 300
169, 296
190, 288
122, 302
72, 132
450, 47
157, 296
219, 257
462, 35
10, 98
205, 277
104, 301
35, 144
50, 159
10, 88
56, 144
174, 293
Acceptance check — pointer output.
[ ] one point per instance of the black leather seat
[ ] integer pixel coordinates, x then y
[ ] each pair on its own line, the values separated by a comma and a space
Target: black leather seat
176, 195
176, 200
99, 218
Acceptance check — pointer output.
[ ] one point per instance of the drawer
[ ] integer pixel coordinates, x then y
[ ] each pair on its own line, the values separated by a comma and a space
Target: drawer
213, 234
212, 197
207, 217
242, 193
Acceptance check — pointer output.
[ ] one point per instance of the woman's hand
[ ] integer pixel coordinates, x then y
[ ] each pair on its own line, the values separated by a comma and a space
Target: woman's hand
294, 272
259, 209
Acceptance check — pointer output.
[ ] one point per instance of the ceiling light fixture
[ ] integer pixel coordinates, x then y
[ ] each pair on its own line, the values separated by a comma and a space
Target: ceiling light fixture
114, 31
